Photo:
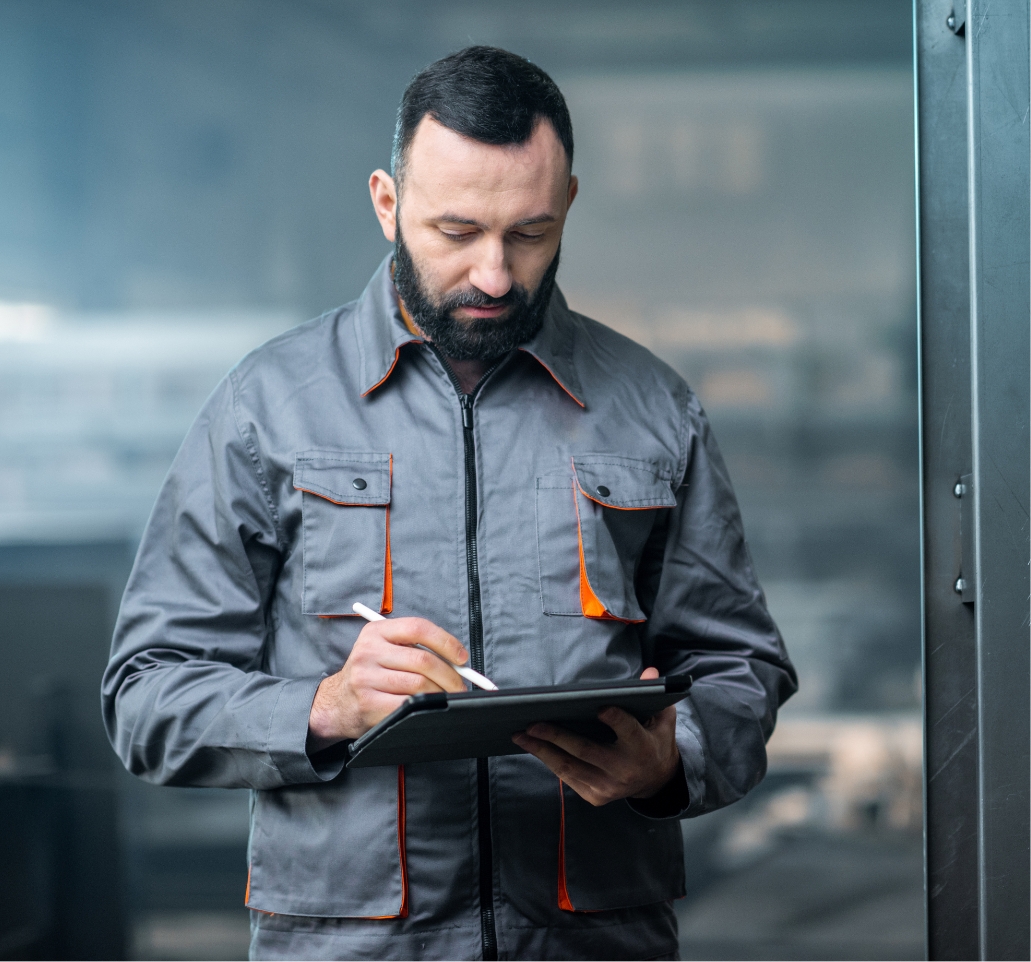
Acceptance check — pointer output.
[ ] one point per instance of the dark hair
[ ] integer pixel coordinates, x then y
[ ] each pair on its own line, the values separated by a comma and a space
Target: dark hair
486, 94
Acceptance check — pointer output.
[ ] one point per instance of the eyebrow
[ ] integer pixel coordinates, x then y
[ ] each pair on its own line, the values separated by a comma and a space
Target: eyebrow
525, 222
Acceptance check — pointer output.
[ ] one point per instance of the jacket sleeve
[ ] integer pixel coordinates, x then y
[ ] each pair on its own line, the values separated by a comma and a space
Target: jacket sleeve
708, 618
184, 696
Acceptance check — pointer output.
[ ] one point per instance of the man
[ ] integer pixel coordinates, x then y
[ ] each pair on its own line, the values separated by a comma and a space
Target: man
459, 450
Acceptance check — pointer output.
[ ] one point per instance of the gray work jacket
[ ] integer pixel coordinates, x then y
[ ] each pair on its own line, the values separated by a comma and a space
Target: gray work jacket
581, 492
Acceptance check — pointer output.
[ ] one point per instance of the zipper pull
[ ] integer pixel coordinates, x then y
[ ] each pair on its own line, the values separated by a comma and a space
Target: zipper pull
467, 412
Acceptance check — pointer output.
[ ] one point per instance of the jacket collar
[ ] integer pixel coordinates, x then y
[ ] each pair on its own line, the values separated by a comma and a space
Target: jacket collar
552, 346
382, 333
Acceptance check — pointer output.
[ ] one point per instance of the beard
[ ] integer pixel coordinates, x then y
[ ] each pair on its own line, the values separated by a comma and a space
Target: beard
482, 338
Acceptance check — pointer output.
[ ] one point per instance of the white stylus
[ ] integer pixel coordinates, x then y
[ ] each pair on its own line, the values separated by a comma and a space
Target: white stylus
467, 673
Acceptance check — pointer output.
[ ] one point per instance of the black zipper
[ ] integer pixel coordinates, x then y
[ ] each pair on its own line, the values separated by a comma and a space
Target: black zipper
488, 931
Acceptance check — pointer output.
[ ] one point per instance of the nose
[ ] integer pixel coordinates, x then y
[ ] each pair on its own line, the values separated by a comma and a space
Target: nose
490, 273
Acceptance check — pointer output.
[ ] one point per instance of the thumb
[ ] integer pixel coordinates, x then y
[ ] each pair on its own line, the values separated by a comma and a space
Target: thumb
649, 673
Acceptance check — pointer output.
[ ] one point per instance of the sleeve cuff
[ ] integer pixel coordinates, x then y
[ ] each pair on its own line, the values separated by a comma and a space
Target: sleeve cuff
683, 796
692, 754
288, 736
670, 801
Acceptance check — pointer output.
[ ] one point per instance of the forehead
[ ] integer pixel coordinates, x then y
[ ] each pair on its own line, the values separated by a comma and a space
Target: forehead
444, 167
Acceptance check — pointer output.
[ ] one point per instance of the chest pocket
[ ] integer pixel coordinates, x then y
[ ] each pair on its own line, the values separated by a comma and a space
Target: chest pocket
591, 528
346, 522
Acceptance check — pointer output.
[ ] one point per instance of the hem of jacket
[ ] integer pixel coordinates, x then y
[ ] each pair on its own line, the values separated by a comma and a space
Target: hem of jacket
307, 937
634, 934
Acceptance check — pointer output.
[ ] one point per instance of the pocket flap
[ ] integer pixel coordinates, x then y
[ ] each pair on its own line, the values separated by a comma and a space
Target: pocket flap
344, 477
623, 483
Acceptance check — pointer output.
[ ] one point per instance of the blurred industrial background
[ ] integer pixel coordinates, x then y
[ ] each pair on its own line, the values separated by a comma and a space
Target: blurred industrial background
181, 180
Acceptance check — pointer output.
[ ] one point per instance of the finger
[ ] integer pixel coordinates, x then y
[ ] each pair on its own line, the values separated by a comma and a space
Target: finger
626, 727
527, 742
591, 784
573, 744
420, 631
403, 683
438, 672
667, 716
662, 721
372, 666
649, 674
545, 751
563, 764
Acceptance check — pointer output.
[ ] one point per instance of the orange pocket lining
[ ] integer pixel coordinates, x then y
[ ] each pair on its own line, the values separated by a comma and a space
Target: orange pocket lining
563, 894
402, 912
564, 902
590, 603
388, 573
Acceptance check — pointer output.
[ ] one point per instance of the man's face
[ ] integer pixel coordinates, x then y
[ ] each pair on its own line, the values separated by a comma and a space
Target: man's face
476, 233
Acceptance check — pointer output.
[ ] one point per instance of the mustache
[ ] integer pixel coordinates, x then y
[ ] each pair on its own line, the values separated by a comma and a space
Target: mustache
477, 298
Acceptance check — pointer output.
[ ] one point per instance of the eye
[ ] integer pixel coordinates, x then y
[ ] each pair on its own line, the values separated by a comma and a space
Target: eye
457, 235
523, 236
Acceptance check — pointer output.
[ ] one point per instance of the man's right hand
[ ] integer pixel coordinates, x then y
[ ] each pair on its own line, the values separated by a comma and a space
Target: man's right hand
382, 670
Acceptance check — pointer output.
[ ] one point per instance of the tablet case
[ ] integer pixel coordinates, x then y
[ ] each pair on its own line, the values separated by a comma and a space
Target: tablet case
478, 724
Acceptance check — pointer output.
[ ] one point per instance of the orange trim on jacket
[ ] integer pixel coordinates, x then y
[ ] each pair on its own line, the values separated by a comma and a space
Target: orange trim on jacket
387, 605
326, 497
621, 507
390, 370
402, 840
413, 330
564, 901
407, 318
553, 375
615, 507
402, 912
590, 604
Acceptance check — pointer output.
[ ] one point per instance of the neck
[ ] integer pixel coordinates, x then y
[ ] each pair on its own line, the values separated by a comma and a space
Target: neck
469, 373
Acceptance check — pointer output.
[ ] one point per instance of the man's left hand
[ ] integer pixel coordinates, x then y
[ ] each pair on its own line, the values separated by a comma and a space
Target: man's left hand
640, 762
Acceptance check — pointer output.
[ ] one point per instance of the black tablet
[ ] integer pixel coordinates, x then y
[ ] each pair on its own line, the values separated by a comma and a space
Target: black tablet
478, 724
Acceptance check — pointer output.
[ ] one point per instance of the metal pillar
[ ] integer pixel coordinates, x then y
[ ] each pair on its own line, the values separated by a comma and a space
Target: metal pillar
974, 156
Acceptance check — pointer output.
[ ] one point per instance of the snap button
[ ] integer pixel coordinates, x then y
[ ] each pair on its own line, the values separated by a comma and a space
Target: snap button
603, 491
359, 483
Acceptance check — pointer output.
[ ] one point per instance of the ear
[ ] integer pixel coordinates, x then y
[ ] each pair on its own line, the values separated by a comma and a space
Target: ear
384, 202
574, 187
